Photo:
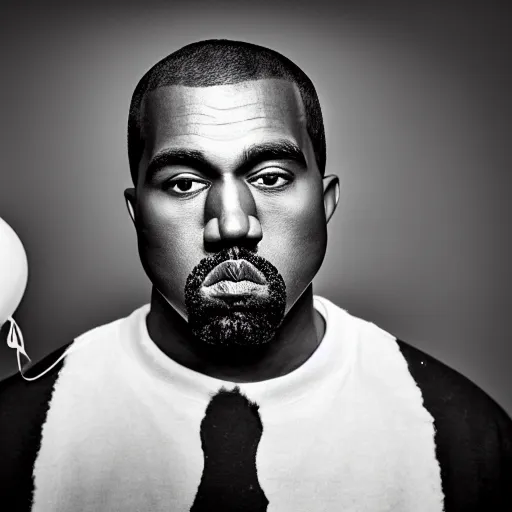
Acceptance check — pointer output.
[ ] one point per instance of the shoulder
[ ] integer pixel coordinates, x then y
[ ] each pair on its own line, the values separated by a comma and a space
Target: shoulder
24, 400
449, 393
473, 434
23, 408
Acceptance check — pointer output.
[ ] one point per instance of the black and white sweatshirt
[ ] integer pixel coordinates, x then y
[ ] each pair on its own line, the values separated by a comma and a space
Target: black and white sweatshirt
367, 424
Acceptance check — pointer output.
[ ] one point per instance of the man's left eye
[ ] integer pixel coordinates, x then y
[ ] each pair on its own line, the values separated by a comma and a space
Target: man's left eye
271, 180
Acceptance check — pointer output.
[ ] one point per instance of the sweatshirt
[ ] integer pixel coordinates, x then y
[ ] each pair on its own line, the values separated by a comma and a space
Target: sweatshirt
368, 423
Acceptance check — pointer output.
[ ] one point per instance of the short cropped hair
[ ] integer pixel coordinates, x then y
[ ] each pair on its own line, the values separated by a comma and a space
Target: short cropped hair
222, 62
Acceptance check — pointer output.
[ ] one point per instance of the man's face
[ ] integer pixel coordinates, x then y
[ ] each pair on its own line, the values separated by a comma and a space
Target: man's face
229, 206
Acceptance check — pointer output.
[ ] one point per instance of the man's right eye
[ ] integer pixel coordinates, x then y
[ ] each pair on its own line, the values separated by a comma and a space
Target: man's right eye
185, 186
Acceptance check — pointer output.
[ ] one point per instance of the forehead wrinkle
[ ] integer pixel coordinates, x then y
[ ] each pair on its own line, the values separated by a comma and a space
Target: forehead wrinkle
167, 126
261, 105
223, 131
168, 120
185, 114
184, 111
215, 136
229, 122
221, 109
265, 110
236, 106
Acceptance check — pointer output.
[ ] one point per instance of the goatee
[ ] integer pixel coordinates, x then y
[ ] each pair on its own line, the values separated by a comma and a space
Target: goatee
247, 321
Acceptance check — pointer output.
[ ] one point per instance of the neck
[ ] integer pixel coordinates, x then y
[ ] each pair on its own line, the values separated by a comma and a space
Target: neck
296, 340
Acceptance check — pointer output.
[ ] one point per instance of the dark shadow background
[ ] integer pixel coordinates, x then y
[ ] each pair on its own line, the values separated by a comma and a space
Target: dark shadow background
416, 98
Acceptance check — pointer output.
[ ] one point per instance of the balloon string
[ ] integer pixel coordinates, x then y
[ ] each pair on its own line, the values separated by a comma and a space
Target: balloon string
15, 340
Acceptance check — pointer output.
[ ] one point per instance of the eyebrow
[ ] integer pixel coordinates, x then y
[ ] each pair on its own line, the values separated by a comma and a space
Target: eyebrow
252, 156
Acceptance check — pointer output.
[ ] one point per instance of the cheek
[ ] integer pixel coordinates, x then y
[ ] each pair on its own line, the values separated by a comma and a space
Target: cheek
170, 241
296, 241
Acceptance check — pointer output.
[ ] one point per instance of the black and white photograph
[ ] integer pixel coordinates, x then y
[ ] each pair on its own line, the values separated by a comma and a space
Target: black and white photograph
255, 256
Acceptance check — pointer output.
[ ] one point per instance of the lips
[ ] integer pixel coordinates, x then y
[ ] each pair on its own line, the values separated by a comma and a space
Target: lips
236, 271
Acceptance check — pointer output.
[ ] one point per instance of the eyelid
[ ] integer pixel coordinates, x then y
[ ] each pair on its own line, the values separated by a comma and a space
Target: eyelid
271, 170
187, 176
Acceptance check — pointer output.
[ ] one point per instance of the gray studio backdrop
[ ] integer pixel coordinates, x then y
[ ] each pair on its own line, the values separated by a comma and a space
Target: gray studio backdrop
417, 112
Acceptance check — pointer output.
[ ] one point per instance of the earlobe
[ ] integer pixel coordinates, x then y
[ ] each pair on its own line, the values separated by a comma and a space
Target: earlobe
129, 195
331, 186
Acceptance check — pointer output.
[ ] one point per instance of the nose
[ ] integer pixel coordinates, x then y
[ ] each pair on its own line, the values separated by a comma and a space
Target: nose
230, 214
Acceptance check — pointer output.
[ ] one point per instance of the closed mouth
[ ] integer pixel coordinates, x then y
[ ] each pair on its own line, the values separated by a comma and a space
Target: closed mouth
235, 271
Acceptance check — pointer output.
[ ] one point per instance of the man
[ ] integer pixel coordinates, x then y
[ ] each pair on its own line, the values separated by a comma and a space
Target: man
236, 388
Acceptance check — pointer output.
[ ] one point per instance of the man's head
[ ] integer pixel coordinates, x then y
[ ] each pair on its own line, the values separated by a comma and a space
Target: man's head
227, 153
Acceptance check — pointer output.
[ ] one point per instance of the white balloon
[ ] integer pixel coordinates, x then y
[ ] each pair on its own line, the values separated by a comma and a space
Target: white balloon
13, 271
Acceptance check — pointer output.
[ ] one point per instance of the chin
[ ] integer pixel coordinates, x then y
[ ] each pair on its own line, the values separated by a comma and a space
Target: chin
235, 329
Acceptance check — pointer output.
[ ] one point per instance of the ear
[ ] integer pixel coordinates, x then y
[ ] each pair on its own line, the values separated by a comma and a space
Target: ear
129, 195
331, 186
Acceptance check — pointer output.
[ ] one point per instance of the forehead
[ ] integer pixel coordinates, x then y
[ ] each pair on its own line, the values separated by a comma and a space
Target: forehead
223, 117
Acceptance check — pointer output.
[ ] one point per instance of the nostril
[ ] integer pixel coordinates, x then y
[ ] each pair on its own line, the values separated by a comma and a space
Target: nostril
255, 231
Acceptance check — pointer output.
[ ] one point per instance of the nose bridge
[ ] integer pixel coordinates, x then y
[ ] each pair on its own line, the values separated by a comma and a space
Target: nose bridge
230, 209
232, 203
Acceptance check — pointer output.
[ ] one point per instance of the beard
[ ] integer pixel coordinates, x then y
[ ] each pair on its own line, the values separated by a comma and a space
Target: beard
248, 323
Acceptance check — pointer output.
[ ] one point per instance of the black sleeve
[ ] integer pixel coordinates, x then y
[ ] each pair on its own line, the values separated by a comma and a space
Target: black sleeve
23, 408
473, 436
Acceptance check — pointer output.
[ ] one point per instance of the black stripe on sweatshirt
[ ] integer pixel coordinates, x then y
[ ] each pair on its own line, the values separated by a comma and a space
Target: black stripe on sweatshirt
473, 436
23, 409
230, 433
